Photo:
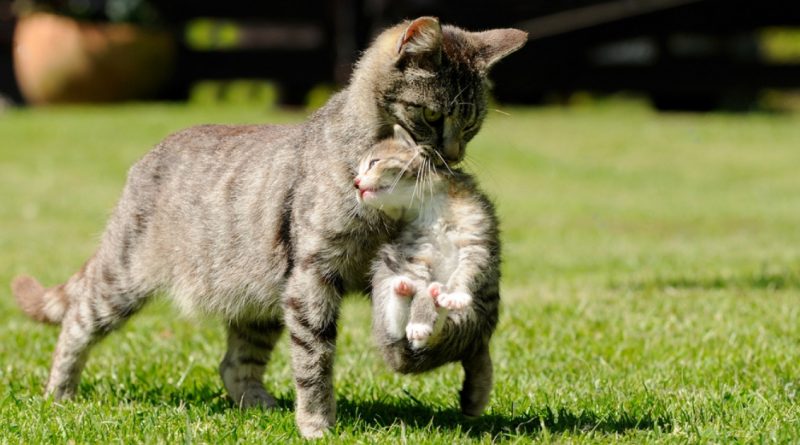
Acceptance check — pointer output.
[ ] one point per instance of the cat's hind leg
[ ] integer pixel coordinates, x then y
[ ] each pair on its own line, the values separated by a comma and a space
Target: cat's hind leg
88, 306
249, 348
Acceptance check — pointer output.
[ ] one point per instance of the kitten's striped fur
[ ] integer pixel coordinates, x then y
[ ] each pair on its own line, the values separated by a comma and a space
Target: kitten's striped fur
257, 223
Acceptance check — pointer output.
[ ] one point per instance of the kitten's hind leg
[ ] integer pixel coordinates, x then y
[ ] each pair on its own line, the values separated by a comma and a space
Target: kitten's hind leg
397, 306
403, 286
249, 348
477, 382
422, 317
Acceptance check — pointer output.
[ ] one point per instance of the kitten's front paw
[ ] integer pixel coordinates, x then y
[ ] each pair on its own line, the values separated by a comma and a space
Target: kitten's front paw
434, 289
403, 287
418, 333
454, 300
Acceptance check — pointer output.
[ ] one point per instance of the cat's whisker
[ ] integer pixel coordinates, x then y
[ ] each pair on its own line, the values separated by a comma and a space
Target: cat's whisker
460, 92
444, 162
500, 111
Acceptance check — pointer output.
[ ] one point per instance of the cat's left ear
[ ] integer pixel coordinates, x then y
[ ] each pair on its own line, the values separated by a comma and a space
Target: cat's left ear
403, 137
421, 43
495, 44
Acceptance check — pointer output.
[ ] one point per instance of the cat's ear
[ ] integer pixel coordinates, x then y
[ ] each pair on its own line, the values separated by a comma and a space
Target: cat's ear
495, 44
403, 137
421, 43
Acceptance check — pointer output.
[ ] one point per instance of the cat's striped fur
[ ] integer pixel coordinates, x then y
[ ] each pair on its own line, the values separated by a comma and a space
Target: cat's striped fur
258, 223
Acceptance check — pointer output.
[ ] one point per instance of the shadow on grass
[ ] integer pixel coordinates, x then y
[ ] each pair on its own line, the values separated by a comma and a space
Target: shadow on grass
385, 414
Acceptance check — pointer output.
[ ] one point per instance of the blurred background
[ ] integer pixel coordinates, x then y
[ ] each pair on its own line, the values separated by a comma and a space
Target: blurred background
695, 55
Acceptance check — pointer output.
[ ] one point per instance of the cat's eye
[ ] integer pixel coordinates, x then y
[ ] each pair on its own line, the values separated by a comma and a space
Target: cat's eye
372, 163
431, 116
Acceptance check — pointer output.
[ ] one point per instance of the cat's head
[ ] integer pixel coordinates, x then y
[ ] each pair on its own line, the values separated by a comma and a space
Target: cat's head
432, 80
388, 177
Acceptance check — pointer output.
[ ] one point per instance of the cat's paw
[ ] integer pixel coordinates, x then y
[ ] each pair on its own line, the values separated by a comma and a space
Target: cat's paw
454, 300
403, 287
254, 395
418, 334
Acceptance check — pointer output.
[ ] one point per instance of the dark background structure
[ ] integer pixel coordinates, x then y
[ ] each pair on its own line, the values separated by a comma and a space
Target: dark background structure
683, 54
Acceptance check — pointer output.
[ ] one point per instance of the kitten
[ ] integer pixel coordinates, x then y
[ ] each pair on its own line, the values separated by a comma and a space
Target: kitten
257, 223
449, 236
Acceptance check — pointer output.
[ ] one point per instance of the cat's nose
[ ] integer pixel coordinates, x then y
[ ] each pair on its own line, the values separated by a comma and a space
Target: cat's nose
356, 182
453, 150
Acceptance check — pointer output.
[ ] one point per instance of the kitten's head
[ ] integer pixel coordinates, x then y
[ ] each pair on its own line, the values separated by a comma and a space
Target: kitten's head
432, 80
388, 176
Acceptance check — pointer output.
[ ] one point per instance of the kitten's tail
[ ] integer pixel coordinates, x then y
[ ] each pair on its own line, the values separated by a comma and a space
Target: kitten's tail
41, 304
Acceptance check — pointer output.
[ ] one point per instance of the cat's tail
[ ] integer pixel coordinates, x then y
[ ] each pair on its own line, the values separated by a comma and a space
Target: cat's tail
46, 305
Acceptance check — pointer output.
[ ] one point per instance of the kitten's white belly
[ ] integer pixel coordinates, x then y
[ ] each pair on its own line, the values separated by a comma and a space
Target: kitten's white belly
446, 260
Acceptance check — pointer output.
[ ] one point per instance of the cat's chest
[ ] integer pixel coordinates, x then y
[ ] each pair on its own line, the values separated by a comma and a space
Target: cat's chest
349, 253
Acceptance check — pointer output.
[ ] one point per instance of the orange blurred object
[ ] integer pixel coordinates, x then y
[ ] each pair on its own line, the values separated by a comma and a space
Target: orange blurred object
61, 60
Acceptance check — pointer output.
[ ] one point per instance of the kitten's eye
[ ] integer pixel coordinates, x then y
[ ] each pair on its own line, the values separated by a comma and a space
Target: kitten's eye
372, 163
431, 116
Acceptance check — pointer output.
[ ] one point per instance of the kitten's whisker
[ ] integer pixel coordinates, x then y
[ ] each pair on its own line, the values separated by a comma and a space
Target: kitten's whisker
430, 182
402, 172
416, 184
500, 111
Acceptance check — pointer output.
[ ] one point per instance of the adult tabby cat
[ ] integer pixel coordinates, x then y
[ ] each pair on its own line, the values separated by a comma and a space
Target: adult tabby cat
258, 223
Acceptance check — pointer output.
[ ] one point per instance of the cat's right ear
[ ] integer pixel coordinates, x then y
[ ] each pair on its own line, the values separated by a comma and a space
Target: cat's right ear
421, 43
403, 137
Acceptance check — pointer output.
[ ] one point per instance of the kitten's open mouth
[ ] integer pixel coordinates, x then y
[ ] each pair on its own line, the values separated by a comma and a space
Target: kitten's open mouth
369, 192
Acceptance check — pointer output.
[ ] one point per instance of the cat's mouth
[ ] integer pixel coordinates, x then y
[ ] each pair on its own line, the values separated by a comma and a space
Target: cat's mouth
442, 161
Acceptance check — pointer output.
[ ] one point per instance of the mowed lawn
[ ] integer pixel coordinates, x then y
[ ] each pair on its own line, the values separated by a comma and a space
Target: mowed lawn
651, 289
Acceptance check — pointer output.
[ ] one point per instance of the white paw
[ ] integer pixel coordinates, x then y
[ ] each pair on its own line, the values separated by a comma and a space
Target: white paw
454, 300
418, 333
403, 287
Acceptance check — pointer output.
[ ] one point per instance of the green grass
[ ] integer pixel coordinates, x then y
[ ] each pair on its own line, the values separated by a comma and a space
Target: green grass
651, 289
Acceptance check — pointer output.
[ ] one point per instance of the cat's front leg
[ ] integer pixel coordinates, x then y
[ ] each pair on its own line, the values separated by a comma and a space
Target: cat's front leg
311, 306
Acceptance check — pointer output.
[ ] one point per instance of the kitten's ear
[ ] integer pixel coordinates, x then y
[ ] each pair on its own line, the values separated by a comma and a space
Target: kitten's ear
403, 137
421, 42
495, 44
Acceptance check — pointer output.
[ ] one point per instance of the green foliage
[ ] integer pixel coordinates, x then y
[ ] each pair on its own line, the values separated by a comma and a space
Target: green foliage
651, 285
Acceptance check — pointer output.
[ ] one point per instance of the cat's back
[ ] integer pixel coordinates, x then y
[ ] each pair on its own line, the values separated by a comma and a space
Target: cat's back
201, 143
200, 209
209, 164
